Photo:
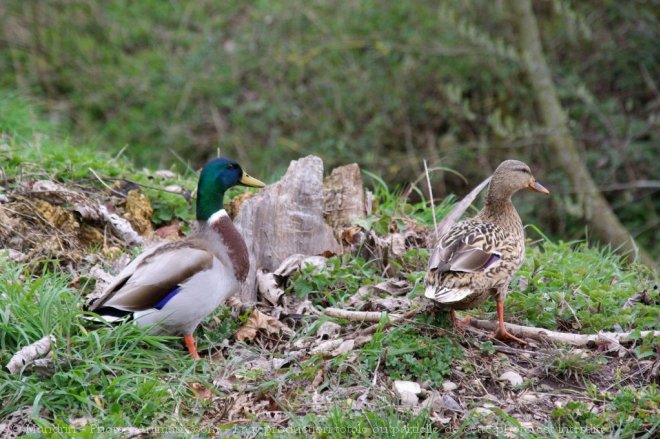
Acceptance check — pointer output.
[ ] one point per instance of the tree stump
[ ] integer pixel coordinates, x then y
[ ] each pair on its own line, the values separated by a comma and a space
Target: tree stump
345, 198
283, 219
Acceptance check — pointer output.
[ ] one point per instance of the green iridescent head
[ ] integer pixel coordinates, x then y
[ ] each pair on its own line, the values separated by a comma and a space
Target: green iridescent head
217, 176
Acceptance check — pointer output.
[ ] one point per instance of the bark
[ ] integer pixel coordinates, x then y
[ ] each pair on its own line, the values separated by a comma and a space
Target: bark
358, 316
283, 219
30, 353
344, 196
598, 212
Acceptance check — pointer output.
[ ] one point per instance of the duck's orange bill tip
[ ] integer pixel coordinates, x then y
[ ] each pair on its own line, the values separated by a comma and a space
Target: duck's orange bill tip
538, 187
246, 180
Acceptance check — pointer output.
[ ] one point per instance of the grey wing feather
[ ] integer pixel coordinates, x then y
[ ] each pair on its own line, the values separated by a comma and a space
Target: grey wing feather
153, 275
461, 250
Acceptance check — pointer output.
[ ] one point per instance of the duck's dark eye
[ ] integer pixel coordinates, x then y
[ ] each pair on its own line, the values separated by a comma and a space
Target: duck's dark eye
232, 166
525, 170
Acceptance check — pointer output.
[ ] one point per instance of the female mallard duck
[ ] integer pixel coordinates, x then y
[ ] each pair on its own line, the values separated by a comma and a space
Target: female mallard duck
477, 257
174, 286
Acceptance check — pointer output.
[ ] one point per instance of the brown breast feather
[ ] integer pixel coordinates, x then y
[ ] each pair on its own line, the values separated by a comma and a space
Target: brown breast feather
238, 252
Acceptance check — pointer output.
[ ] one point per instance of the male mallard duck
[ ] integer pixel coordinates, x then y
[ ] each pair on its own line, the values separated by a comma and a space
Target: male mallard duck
477, 257
175, 285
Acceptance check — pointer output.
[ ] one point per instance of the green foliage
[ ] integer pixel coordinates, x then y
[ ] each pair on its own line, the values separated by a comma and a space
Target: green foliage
392, 207
334, 283
407, 354
577, 414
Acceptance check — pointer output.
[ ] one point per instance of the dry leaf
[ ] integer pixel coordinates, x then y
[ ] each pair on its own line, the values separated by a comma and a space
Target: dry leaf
172, 231
318, 379
328, 330
257, 321
296, 262
200, 391
343, 348
392, 303
327, 346
352, 235
120, 227
268, 286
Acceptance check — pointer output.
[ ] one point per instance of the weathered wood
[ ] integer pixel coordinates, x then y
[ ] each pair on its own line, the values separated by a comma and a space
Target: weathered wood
344, 196
283, 219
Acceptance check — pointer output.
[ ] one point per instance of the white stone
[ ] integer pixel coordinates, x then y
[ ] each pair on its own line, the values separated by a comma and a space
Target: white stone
407, 392
407, 386
512, 377
164, 174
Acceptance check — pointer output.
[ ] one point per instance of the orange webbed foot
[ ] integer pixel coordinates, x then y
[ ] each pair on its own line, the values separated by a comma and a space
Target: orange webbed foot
502, 334
189, 341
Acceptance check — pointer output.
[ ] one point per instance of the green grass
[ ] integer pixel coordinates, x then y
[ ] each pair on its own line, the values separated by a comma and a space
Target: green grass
342, 422
119, 376
573, 286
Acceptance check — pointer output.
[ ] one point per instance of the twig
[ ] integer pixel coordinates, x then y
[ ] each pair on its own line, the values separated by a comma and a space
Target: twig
119, 194
121, 151
183, 194
183, 162
375, 378
543, 334
357, 316
428, 182
408, 315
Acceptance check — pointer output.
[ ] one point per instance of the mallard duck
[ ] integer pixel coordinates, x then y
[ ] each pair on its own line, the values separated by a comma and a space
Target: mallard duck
477, 257
172, 287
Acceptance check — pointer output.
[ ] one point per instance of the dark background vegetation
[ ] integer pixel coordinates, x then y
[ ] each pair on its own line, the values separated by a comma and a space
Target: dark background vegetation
382, 83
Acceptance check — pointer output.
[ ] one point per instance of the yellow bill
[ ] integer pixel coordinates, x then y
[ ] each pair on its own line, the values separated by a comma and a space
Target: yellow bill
246, 180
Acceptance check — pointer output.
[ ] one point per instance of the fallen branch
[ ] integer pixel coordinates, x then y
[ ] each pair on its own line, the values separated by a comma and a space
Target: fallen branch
395, 319
562, 337
358, 316
28, 354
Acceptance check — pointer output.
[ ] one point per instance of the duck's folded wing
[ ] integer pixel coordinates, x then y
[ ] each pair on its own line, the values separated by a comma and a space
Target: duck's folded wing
152, 276
465, 249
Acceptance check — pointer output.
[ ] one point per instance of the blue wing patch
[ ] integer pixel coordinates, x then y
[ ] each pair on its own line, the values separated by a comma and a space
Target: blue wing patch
492, 260
167, 298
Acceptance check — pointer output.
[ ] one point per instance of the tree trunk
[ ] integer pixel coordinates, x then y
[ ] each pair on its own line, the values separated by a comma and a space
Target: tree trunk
597, 210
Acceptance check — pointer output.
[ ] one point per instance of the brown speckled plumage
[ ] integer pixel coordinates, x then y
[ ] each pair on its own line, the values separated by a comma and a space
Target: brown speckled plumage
477, 257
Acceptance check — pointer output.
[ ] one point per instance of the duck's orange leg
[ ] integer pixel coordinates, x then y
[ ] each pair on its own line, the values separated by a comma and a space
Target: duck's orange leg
501, 333
189, 340
459, 322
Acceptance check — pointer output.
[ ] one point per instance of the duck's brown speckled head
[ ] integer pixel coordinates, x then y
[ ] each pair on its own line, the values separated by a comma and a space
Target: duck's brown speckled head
510, 177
